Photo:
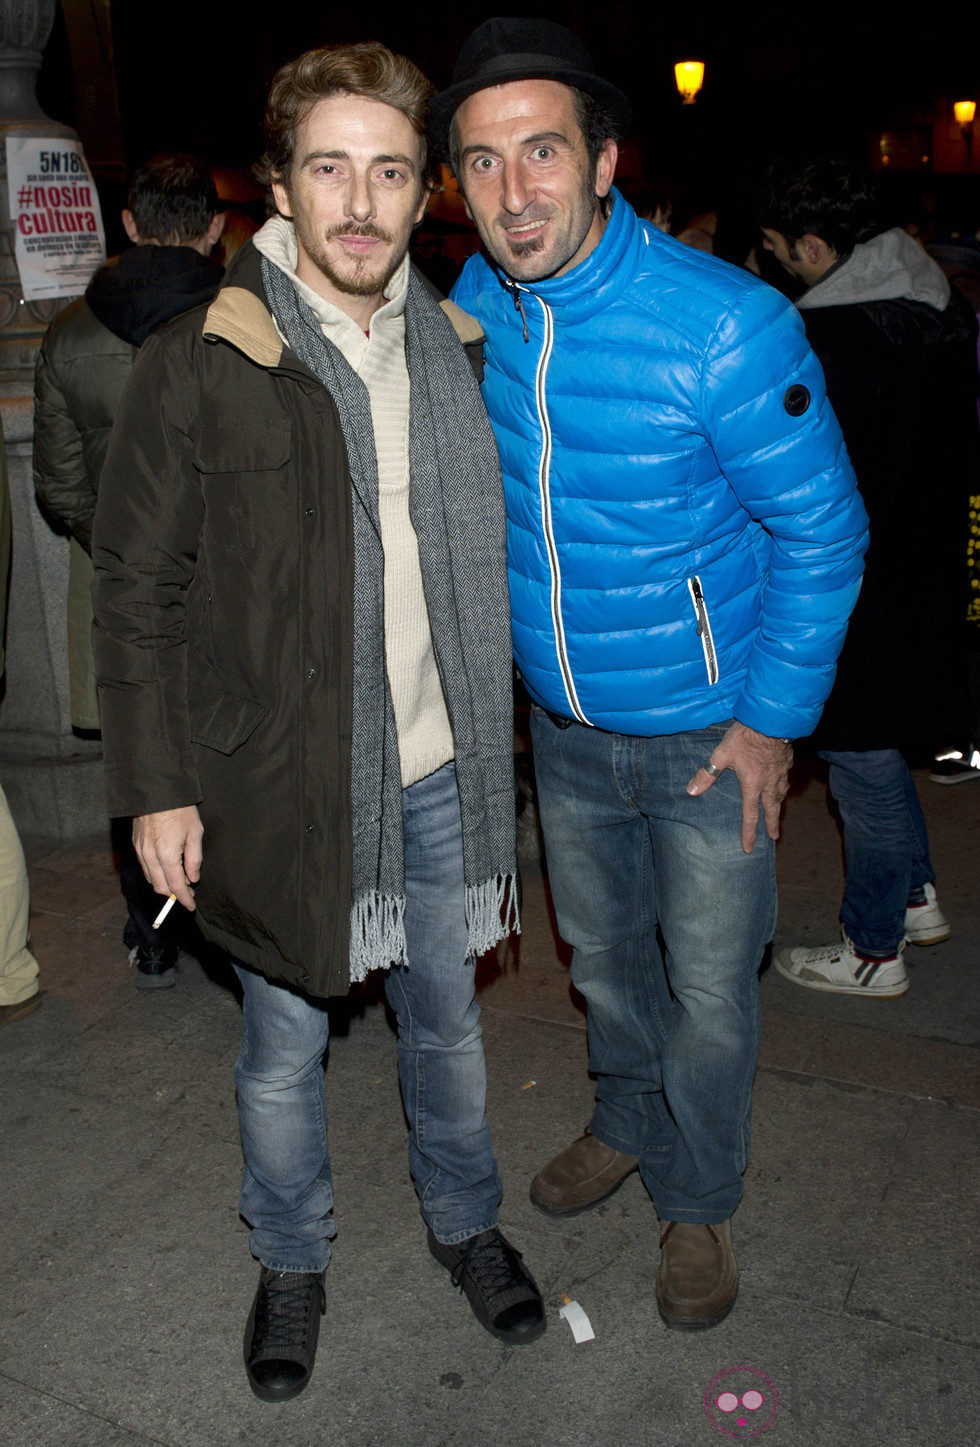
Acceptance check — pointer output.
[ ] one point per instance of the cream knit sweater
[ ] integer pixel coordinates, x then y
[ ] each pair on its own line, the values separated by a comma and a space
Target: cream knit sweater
425, 740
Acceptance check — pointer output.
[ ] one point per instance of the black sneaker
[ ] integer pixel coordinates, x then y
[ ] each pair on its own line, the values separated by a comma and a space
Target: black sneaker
282, 1332
955, 767
155, 969
501, 1291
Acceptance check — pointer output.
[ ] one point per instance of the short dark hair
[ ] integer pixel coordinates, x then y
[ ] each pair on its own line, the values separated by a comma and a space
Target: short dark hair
173, 199
369, 69
822, 196
596, 125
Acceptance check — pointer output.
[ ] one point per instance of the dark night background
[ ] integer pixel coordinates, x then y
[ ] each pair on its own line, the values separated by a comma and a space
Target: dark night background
779, 76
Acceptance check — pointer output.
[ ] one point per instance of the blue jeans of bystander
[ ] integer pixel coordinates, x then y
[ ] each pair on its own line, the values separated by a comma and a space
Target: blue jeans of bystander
886, 846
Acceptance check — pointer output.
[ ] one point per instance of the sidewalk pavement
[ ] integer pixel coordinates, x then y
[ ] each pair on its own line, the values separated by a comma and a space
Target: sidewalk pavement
127, 1276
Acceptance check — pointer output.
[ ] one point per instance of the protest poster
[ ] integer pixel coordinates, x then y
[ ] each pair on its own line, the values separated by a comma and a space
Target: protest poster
59, 239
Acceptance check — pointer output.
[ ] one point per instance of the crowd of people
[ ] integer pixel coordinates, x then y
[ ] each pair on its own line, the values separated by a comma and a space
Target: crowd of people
318, 510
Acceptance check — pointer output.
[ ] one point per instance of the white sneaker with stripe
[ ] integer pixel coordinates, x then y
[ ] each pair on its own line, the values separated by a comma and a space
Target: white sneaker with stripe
839, 968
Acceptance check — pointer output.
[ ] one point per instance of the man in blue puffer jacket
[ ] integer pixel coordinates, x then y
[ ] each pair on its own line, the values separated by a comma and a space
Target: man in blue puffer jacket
684, 545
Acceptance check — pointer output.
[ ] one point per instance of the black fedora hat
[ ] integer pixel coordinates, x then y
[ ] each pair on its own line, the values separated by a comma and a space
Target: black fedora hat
505, 49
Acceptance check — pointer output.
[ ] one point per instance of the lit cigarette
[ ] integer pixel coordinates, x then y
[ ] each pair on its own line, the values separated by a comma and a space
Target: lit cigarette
171, 901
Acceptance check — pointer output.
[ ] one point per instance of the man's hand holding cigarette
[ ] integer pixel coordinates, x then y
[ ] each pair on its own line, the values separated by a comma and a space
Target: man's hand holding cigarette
168, 846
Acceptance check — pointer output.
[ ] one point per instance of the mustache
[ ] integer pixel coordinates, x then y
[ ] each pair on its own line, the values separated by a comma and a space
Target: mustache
353, 228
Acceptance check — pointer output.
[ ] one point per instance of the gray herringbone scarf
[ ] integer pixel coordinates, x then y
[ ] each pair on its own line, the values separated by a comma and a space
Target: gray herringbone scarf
456, 507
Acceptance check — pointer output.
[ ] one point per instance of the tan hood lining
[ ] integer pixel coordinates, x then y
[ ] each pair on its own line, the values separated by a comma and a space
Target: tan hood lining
240, 317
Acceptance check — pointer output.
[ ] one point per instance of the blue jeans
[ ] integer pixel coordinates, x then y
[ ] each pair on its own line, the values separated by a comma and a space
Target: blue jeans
886, 846
287, 1191
673, 1030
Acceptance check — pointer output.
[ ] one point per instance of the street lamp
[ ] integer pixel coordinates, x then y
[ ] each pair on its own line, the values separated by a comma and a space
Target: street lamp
964, 111
689, 78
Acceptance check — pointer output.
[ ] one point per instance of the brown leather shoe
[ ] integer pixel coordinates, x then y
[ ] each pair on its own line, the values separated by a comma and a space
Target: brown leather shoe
581, 1176
698, 1279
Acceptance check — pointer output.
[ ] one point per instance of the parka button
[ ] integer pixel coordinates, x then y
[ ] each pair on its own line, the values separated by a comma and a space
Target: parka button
310, 511
306, 978
309, 828
311, 673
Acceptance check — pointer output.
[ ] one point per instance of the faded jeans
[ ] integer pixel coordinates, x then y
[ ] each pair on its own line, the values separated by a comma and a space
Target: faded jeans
674, 1029
287, 1190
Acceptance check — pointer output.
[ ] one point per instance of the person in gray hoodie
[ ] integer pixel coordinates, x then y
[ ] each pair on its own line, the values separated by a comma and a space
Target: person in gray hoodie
898, 350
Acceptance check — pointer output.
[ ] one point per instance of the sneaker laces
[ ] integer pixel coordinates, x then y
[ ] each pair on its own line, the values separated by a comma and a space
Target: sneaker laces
282, 1313
489, 1264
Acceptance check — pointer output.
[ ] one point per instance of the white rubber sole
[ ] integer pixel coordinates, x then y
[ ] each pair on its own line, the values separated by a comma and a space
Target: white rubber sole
929, 937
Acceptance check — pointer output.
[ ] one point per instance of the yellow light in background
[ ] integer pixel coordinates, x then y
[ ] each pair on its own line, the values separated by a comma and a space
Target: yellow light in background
964, 111
689, 78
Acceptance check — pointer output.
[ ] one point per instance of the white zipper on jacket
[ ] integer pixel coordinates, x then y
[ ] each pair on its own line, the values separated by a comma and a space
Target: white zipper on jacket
544, 491
704, 628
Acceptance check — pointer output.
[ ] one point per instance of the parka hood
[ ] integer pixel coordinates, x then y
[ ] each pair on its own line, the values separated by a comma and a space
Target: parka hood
889, 267
146, 286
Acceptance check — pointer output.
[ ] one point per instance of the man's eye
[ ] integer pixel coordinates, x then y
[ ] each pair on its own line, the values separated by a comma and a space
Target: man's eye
543, 153
485, 163
325, 170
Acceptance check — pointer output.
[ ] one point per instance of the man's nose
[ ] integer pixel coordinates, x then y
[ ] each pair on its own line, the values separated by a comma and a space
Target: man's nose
516, 193
360, 198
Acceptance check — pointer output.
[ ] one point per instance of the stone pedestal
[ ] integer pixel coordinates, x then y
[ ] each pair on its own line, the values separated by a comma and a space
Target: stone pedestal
52, 779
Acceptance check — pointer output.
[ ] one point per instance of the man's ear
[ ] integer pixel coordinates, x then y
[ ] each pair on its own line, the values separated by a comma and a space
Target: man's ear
280, 194
130, 227
606, 168
213, 234
815, 250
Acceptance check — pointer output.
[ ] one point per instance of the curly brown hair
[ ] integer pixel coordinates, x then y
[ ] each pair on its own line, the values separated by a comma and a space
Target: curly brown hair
369, 69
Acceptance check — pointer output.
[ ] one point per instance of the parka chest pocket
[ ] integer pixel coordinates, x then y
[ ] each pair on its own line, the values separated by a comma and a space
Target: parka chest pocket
246, 481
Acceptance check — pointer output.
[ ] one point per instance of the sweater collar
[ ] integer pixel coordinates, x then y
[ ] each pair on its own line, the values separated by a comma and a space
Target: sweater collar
277, 242
240, 315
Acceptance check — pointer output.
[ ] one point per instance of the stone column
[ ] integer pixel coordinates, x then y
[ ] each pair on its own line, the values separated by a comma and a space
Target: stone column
52, 778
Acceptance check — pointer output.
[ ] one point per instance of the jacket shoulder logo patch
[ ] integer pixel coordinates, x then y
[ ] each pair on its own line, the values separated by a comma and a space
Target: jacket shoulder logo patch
797, 400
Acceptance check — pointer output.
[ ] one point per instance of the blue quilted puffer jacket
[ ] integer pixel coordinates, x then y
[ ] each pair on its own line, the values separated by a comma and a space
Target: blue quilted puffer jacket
684, 532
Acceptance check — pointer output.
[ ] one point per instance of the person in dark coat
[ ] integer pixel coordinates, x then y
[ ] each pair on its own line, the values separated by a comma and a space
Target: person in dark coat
173, 221
898, 351
303, 642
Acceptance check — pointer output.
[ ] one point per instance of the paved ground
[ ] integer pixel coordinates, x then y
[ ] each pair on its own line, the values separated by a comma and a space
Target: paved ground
126, 1274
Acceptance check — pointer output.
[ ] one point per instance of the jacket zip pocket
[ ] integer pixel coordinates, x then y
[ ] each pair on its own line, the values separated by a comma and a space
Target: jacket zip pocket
704, 628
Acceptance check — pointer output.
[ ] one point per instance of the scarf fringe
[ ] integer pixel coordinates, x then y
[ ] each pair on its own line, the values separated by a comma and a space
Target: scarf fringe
377, 933
377, 924
491, 912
